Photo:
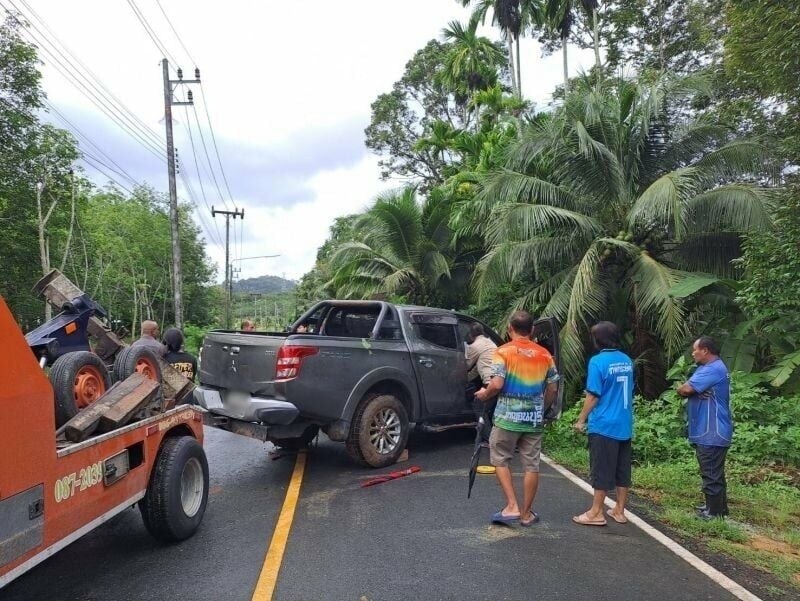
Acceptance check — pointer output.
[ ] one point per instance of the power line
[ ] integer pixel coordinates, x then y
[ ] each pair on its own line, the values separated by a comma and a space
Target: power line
214, 140
88, 159
208, 158
151, 32
78, 132
97, 99
180, 41
144, 127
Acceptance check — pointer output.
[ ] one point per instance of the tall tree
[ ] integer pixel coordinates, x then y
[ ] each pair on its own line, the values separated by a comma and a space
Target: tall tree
508, 16
609, 205
473, 61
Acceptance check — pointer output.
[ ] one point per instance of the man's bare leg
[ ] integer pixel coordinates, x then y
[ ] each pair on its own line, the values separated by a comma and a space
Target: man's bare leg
504, 477
530, 484
595, 512
622, 498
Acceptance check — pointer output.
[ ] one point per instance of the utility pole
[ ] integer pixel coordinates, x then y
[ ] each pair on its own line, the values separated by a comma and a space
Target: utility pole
228, 271
169, 102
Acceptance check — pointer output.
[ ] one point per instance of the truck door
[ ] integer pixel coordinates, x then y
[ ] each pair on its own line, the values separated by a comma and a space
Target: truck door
545, 333
439, 363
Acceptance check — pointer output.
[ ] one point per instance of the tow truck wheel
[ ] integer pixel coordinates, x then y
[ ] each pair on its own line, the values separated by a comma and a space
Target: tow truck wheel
176, 497
379, 431
136, 359
78, 379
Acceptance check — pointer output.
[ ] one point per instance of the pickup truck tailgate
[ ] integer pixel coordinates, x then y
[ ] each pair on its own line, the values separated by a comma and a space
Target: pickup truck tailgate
240, 361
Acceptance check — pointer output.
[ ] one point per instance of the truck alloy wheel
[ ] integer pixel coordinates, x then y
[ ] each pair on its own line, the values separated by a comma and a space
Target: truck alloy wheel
78, 379
177, 494
379, 431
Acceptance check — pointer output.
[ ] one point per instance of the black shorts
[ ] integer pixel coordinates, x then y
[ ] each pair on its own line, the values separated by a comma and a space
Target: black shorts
610, 462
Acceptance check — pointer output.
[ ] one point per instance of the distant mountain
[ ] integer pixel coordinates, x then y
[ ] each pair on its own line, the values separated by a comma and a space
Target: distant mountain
265, 284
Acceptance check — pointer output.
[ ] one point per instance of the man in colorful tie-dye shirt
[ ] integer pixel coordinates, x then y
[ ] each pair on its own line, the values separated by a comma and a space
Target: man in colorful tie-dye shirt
525, 378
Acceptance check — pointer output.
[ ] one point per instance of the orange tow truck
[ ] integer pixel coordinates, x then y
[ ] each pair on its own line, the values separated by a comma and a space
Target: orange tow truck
53, 491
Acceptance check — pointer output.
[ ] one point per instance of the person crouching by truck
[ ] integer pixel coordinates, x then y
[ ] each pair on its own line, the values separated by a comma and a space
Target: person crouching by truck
179, 359
479, 352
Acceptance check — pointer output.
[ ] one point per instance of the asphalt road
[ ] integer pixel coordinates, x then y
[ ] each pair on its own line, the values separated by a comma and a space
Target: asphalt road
413, 538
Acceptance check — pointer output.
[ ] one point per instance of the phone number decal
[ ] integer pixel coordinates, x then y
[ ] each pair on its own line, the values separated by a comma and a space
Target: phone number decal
71, 484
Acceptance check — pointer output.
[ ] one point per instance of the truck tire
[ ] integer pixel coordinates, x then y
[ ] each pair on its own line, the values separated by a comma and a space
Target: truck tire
78, 379
379, 431
301, 442
134, 359
177, 494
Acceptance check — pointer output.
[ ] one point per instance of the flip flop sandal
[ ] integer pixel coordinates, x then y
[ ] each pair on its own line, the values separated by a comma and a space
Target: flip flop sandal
530, 522
622, 520
584, 520
499, 518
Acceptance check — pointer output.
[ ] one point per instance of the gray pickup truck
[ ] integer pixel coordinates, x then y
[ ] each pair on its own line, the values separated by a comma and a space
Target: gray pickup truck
362, 371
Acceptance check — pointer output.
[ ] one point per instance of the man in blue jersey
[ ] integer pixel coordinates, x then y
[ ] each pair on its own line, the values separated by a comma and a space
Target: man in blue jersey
608, 406
710, 423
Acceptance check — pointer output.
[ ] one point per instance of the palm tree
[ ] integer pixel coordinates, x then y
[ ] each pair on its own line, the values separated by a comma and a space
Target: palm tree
472, 62
508, 16
559, 15
401, 248
606, 206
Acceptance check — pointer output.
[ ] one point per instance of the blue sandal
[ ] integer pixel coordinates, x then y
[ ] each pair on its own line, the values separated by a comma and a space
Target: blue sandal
499, 518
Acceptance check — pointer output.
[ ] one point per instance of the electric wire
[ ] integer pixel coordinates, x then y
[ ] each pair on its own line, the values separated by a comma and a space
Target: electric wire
172, 27
72, 127
100, 102
151, 32
99, 84
208, 158
89, 160
214, 141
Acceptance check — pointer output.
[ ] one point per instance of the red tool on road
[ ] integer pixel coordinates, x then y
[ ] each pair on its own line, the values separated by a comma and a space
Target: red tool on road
391, 476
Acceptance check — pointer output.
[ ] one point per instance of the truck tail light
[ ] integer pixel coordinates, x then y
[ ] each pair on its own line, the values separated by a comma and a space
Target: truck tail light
290, 358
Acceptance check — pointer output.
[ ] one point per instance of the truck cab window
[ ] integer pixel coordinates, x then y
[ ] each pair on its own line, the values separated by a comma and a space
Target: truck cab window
439, 334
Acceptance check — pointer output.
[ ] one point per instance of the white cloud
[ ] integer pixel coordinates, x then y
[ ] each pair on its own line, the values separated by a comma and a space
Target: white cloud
289, 86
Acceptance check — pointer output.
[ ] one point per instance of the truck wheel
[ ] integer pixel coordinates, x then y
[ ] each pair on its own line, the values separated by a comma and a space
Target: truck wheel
134, 359
379, 431
301, 442
176, 497
78, 379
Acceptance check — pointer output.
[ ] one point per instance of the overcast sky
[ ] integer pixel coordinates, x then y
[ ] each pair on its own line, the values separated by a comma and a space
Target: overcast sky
288, 86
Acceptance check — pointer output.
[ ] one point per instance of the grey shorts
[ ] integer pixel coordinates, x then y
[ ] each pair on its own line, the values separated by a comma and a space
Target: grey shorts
503, 442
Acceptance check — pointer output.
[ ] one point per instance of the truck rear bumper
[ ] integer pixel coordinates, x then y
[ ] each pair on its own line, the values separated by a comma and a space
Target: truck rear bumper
241, 405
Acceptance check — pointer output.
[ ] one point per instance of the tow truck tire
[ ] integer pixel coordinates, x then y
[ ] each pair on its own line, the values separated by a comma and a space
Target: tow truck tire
134, 359
177, 494
78, 379
379, 431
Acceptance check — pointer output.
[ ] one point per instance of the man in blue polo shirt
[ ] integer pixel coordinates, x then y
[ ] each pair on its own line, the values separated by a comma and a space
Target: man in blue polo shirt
609, 408
710, 423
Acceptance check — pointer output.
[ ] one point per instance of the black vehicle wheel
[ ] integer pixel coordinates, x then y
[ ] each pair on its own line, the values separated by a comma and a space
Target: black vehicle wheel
379, 431
177, 494
134, 359
301, 442
78, 380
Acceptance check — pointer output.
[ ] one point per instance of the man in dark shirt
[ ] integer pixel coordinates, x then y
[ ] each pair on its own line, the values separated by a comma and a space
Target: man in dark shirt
179, 359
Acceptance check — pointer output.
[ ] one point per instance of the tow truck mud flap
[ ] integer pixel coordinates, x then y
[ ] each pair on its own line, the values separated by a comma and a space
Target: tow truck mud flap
21, 523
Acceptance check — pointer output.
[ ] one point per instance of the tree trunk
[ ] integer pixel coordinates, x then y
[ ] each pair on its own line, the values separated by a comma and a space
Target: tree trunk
41, 229
565, 65
596, 33
519, 69
71, 227
511, 68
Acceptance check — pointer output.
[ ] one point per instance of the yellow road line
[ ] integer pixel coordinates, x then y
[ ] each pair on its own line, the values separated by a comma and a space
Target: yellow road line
268, 578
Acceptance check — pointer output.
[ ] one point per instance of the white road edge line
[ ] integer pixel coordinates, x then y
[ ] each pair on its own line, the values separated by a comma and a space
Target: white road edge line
721, 579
